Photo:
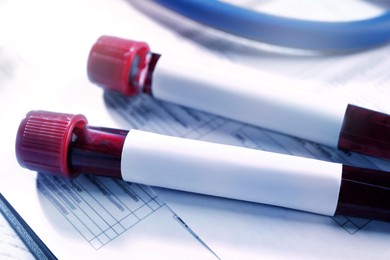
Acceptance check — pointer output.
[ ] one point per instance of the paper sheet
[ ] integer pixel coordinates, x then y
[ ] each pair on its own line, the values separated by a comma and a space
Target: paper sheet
43, 57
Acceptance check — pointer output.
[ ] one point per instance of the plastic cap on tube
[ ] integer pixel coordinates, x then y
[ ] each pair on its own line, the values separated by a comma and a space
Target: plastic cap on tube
43, 139
117, 64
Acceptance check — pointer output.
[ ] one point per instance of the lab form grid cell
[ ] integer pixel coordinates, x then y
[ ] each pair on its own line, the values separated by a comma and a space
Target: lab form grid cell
350, 224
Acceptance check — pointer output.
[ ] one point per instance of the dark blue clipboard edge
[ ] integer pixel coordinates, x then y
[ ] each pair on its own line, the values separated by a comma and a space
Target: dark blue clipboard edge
26, 234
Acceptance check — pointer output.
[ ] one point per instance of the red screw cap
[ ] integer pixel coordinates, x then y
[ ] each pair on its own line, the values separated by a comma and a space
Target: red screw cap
43, 139
117, 64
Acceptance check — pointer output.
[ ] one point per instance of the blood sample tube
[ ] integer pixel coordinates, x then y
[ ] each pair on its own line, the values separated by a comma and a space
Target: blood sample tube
65, 145
130, 68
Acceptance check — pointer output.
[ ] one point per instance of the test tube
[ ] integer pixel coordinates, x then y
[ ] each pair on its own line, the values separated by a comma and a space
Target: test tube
130, 68
65, 145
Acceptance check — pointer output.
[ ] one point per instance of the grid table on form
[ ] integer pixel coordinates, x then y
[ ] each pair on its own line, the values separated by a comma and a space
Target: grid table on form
99, 208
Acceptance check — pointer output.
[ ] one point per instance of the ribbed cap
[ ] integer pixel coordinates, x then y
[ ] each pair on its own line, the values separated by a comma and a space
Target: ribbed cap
116, 64
43, 139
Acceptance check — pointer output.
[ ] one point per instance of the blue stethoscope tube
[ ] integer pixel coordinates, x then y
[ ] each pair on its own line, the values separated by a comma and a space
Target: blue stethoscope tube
286, 32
